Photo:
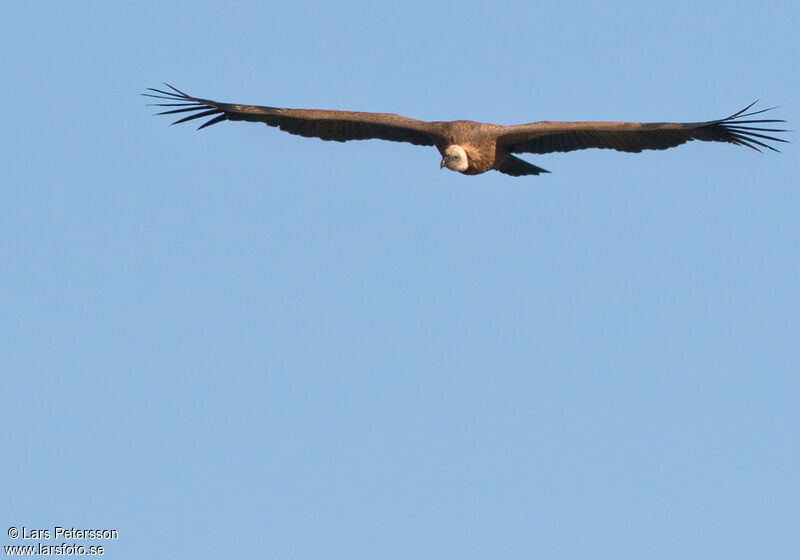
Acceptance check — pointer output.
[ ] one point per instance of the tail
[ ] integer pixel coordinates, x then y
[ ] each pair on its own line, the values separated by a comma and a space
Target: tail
516, 167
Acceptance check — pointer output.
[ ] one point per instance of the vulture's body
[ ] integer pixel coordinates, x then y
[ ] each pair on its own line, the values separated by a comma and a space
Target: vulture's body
471, 147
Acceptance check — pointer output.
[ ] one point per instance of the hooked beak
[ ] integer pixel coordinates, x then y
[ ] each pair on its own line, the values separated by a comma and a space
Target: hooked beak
441, 165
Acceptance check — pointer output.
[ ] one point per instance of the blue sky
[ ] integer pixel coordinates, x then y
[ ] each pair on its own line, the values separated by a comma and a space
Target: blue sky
243, 343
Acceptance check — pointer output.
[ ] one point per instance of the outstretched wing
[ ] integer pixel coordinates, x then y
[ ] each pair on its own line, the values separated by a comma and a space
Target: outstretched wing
545, 137
327, 125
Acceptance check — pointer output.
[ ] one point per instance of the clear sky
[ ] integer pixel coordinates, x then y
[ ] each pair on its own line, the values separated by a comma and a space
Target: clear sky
238, 343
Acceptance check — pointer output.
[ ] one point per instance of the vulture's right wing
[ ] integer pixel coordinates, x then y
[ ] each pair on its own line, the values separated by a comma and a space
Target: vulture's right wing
327, 125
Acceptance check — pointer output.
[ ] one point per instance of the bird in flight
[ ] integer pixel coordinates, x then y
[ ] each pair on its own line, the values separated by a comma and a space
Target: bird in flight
472, 147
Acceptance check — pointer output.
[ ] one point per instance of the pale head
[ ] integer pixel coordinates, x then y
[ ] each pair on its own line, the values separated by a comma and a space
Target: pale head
455, 158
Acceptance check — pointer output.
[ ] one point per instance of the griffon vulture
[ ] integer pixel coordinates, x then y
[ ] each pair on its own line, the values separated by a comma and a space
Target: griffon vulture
472, 147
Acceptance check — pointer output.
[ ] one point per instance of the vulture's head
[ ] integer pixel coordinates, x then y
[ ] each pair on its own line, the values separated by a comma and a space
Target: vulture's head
455, 158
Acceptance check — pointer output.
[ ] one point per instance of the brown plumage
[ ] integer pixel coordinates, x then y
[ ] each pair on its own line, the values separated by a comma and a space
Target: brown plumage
471, 147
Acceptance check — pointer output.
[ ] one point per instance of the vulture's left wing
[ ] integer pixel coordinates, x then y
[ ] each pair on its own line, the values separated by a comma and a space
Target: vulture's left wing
546, 137
327, 125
